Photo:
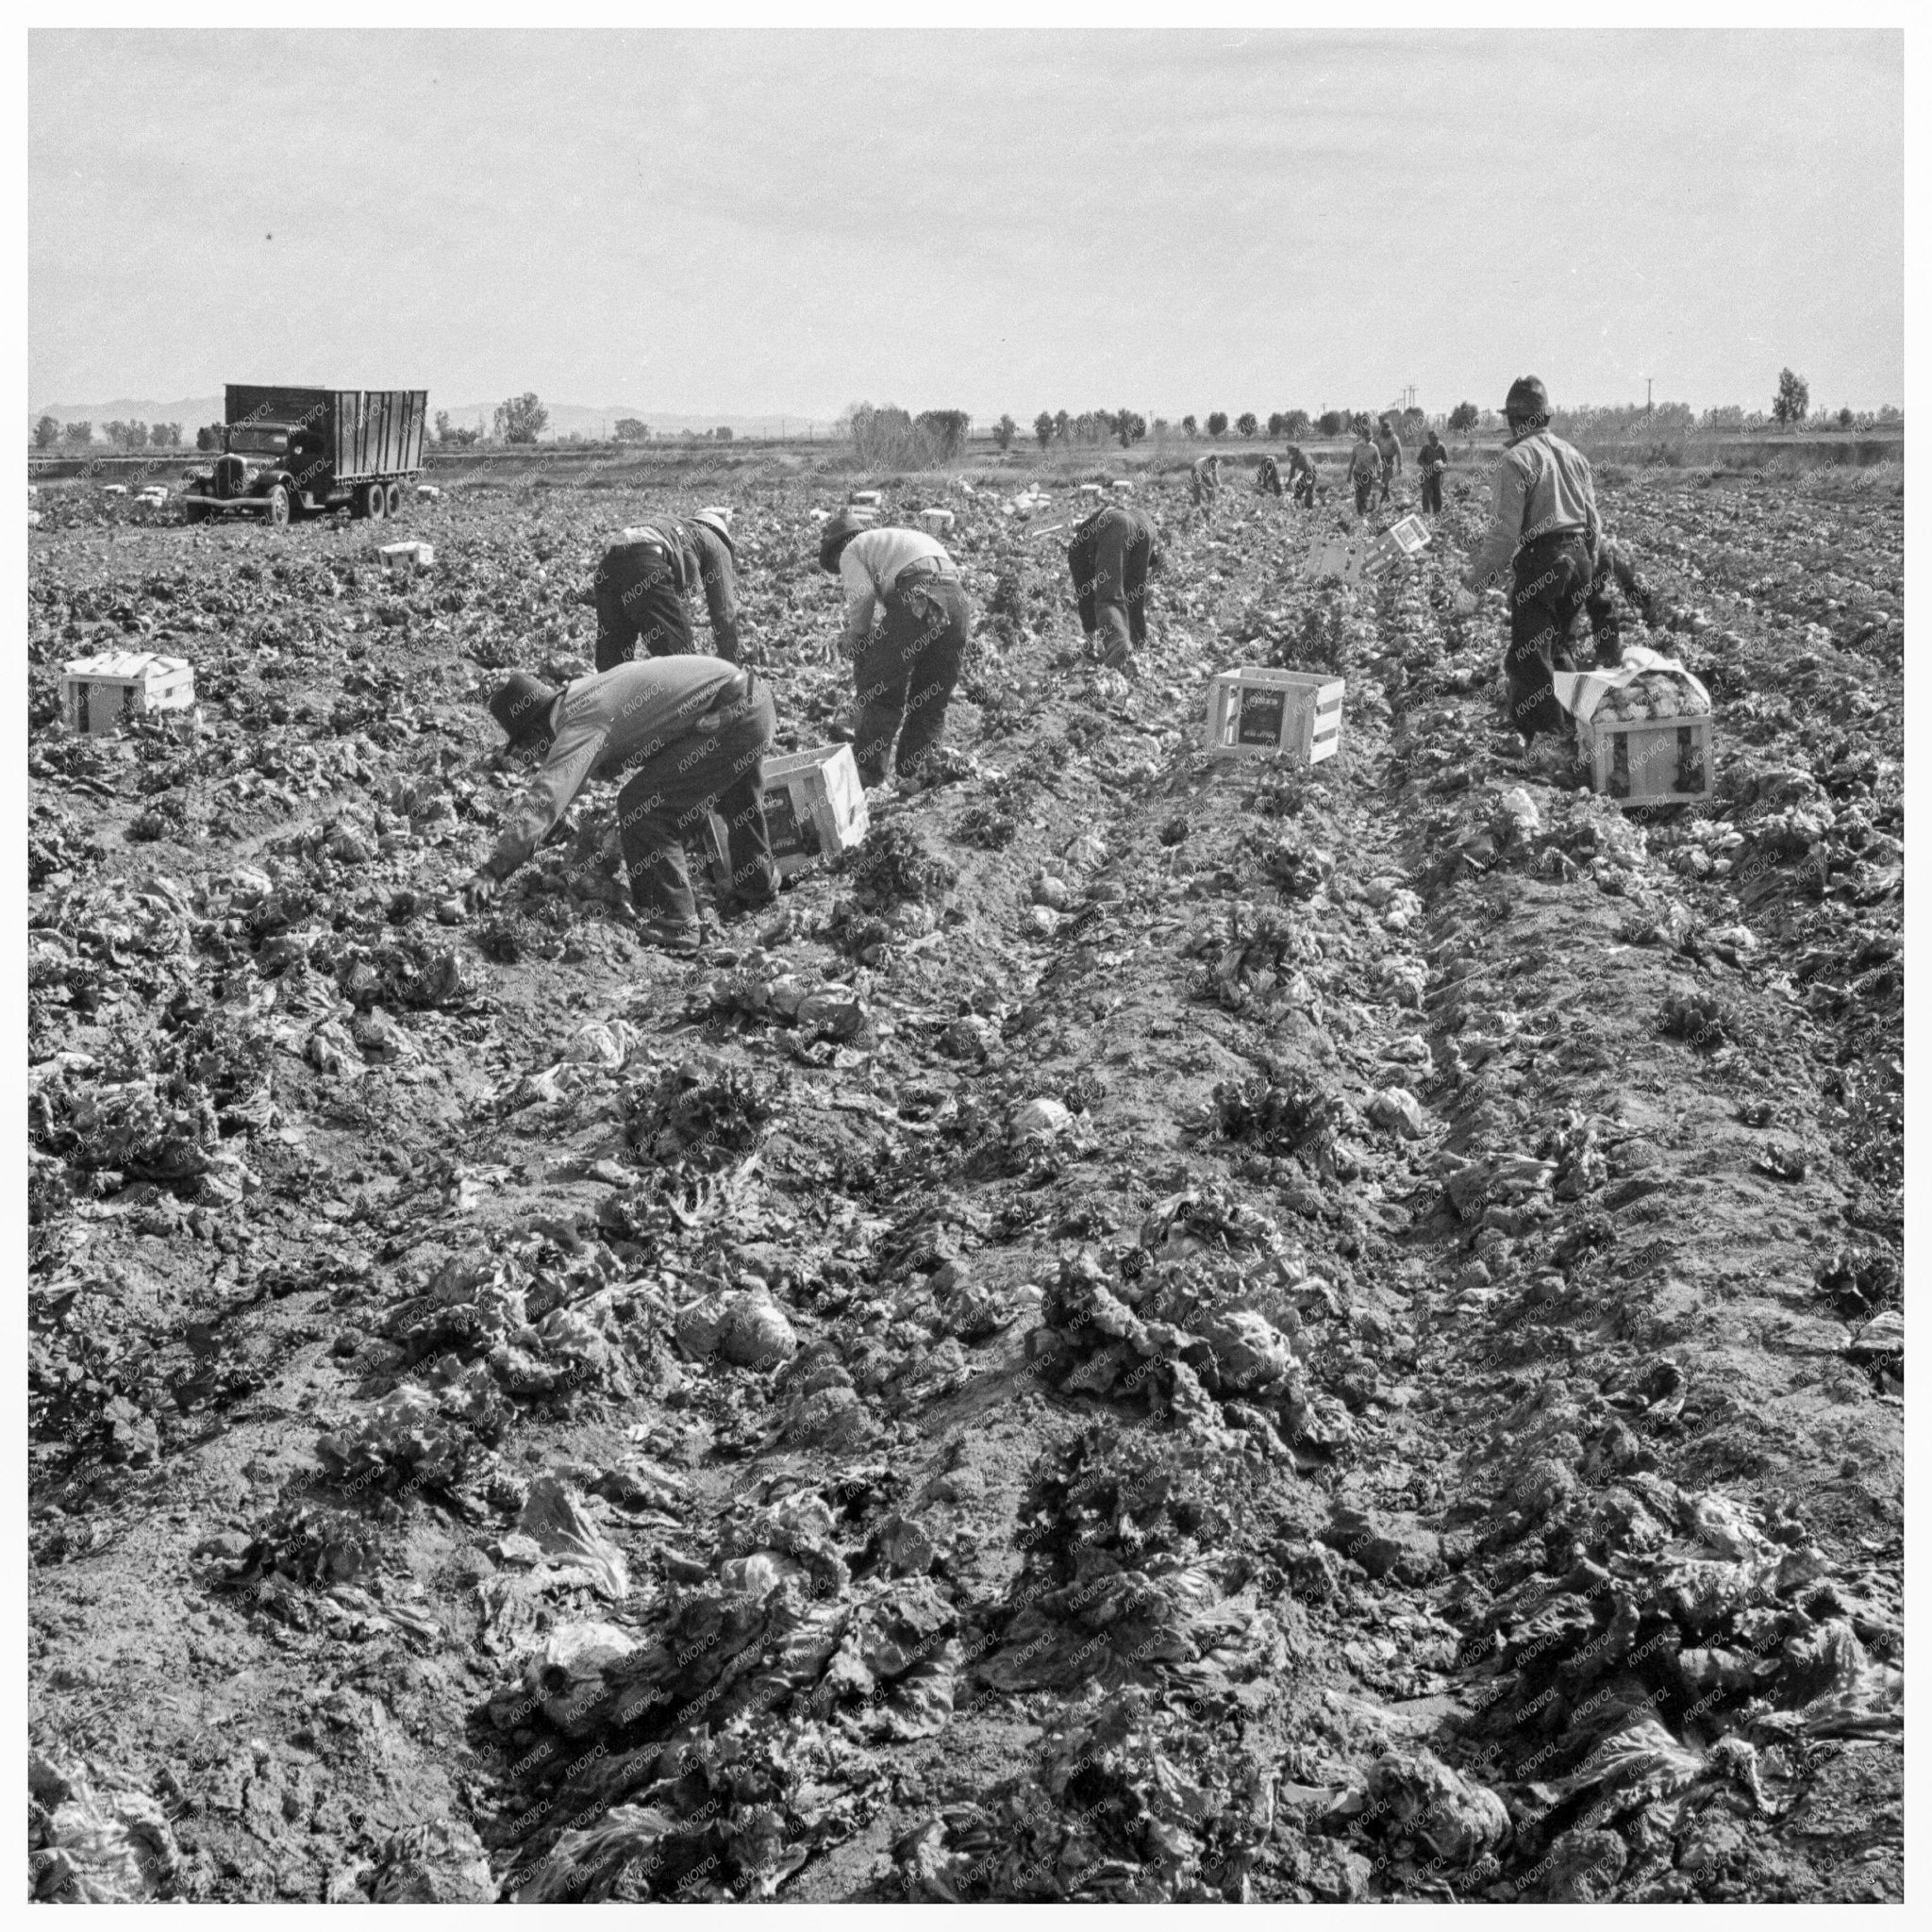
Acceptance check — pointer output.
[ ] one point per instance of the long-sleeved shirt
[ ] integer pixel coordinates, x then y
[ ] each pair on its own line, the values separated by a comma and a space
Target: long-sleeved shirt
1543, 488
1298, 465
1389, 446
1432, 457
604, 724
870, 566
699, 557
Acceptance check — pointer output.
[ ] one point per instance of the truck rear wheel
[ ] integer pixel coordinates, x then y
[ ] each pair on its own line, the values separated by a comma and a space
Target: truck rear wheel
279, 505
393, 499
371, 500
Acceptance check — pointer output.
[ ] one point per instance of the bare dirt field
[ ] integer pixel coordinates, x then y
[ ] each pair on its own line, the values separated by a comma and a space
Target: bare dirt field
1164, 1330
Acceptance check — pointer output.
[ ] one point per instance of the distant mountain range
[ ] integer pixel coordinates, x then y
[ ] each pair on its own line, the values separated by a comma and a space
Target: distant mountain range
566, 418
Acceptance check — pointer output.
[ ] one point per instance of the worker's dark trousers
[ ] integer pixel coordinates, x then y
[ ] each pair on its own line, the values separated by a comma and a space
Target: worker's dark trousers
638, 603
1432, 491
1552, 578
906, 671
1387, 478
664, 804
1364, 494
1109, 559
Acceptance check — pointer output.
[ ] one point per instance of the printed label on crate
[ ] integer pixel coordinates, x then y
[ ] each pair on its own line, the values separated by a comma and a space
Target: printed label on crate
1261, 715
791, 836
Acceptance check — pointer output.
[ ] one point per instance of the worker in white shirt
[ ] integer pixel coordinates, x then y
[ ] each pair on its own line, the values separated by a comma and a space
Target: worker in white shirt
907, 621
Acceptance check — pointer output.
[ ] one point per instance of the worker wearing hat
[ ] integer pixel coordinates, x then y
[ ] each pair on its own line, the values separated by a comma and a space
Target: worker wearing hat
906, 624
644, 579
1364, 466
1543, 526
1109, 557
1432, 460
687, 735
1389, 447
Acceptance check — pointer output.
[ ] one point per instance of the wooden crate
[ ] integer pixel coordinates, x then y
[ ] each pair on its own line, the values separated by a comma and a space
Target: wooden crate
97, 693
814, 808
1123, 486
1648, 761
863, 499
935, 523
408, 557
1256, 713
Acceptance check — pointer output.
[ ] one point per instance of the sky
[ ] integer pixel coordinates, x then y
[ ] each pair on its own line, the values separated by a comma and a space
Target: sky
760, 222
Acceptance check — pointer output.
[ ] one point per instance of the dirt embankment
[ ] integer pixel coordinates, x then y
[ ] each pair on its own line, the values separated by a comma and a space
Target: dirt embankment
1165, 1330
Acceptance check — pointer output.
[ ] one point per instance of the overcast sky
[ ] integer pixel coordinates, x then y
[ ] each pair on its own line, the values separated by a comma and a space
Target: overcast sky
750, 222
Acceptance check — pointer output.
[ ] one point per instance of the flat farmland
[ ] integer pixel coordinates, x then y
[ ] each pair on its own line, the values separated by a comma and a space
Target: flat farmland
1165, 1329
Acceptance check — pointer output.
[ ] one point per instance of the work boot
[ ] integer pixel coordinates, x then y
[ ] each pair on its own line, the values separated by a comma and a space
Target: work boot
671, 936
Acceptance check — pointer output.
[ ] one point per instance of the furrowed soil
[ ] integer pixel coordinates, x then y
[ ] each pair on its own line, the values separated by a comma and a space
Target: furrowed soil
1161, 1329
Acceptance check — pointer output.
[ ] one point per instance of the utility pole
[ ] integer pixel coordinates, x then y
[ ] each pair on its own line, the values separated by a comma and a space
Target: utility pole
1647, 410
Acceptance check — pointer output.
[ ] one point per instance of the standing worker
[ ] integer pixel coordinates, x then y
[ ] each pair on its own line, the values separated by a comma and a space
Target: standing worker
1544, 524
1432, 460
689, 735
1109, 557
1364, 466
643, 580
1204, 476
907, 620
1389, 447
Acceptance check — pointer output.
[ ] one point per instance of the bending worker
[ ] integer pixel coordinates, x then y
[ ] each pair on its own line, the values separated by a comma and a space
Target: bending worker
1109, 557
1203, 478
1432, 460
1544, 524
644, 579
687, 735
1389, 447
1301, 476
907, 621
1364, 466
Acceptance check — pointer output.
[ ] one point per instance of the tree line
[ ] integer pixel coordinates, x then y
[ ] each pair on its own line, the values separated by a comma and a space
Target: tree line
127, 436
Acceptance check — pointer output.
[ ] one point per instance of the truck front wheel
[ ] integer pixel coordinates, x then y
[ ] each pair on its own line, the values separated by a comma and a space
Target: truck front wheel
279, 505
393, 499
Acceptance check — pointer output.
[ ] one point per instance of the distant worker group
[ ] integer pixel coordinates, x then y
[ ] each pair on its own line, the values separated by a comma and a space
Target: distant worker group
685, 735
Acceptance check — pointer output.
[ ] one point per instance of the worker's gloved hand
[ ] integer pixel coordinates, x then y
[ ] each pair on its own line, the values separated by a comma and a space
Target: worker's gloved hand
1465, 603
479, 890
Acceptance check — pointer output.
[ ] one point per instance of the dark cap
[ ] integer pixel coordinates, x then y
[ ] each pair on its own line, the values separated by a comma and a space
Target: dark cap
834, 537
521, 704
1527, 398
